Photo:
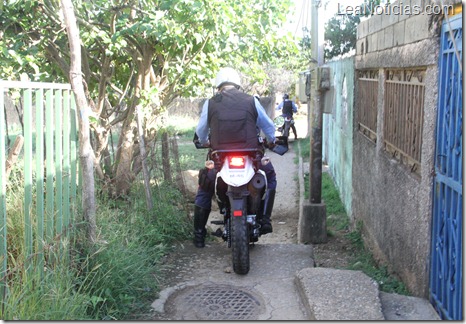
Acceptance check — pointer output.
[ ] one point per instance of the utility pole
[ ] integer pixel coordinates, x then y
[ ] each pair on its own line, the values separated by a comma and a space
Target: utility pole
314, 224
315, 166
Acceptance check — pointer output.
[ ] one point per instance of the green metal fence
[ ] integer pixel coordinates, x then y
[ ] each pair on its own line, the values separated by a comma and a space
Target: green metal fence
48, 165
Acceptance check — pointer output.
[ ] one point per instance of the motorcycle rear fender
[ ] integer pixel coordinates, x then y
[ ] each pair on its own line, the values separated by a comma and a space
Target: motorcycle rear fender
237, 177
237, 206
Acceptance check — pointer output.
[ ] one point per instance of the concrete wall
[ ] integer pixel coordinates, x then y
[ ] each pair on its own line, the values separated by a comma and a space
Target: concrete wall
394, 204
337, 132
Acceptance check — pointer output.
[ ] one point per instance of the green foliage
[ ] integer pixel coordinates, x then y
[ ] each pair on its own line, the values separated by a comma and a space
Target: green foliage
305, 45
341, 30
47, 293
331, 196
355, 237
24, 23
340, 35
143, 54
52, 297
190, 157
189, 39
113, 279
336, 213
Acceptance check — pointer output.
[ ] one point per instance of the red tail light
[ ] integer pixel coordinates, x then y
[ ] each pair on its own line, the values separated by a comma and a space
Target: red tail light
237, 162
237, 213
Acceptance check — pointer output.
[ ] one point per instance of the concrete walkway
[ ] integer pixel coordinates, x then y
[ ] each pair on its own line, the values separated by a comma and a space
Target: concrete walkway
283, 284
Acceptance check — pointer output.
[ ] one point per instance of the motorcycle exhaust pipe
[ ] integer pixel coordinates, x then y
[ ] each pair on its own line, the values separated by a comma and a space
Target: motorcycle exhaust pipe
256, 189
258, 181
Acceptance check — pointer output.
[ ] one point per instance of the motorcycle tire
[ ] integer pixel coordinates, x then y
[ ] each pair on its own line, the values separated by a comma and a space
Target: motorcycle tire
240, 244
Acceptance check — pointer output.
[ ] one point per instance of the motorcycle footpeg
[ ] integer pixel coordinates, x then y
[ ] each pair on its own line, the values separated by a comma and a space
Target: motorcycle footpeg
217, 222
218, 233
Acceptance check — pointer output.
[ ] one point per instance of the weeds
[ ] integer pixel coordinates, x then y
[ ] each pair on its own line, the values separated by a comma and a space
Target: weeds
364, 261
113, 279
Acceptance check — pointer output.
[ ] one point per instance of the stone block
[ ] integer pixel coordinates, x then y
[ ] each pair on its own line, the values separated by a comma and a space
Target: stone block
375, 24
363, 29
339, 295
416, 28
399, 33
380, 40
388, 37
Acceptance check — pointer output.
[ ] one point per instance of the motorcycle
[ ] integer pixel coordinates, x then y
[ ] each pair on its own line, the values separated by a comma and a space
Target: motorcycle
283, 124
240, 191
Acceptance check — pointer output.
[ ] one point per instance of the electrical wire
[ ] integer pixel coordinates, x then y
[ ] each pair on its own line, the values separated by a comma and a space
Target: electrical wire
308, 10
299, 20
453, 40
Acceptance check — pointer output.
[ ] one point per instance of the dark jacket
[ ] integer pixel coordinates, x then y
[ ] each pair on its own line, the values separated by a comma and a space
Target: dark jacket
232, 120
287, 108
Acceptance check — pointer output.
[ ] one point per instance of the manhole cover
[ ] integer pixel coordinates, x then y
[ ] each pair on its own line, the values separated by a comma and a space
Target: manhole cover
214, 302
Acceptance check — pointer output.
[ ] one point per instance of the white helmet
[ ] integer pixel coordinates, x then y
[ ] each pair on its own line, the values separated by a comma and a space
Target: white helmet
227, 75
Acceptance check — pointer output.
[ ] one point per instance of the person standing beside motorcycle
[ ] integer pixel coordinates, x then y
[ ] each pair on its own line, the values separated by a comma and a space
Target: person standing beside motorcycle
288, 107
231, 120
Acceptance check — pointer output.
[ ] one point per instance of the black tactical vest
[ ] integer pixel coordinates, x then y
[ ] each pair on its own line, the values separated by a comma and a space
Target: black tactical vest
287, 108
232, 120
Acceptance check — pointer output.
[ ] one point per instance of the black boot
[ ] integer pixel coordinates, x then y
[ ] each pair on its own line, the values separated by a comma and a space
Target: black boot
201, 215
266, 225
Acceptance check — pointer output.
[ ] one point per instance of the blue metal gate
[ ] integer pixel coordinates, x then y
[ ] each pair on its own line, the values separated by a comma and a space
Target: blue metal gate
446, 272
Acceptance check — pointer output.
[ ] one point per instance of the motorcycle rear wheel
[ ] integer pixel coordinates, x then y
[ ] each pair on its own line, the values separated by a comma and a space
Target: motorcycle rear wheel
240, 244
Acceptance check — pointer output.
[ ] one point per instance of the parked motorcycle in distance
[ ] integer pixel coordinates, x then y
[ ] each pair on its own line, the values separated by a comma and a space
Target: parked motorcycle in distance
240, 189
283, 125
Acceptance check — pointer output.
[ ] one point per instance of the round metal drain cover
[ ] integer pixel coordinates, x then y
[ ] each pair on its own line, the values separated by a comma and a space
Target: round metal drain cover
214, 302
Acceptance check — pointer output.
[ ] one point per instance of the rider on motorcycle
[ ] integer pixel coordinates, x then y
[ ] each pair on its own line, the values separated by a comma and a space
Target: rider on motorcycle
230, 120
288, 107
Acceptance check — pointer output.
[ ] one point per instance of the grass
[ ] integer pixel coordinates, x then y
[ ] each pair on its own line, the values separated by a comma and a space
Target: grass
115, 279
337, 220
364, 261
32, 293
191, 158
123, 267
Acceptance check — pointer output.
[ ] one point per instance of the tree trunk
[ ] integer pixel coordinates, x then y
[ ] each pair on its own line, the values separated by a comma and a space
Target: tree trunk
85, 151
124, 176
